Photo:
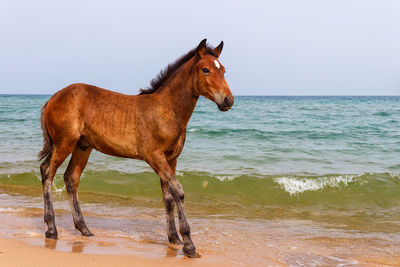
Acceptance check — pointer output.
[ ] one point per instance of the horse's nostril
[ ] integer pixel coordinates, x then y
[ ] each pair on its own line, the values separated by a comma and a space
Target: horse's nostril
226, 102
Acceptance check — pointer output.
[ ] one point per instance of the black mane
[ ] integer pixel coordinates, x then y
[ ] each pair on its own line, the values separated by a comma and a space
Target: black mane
168, 71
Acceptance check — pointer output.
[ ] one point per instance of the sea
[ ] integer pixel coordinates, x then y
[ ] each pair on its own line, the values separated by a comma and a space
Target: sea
276, 180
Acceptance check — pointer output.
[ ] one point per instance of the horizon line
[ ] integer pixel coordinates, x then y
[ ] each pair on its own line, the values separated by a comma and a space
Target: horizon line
22, 94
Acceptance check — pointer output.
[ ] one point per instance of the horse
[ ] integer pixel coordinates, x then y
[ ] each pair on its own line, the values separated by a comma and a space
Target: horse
150, 126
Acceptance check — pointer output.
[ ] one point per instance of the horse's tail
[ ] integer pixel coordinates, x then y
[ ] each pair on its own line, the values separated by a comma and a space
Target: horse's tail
47, 143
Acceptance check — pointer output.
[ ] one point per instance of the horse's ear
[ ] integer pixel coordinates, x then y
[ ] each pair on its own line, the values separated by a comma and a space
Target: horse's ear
218, 49
201, 48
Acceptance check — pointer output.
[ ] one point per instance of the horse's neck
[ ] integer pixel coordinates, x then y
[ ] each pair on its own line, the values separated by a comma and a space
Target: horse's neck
178, 95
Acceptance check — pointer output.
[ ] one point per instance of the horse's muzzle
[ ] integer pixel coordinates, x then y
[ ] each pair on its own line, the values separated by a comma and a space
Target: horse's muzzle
227, 104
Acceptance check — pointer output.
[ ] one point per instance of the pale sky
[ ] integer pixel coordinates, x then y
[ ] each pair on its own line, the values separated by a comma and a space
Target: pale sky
285, 47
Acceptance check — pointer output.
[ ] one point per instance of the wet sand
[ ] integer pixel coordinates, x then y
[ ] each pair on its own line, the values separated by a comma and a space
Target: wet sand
17, 253
139, 238
133, 233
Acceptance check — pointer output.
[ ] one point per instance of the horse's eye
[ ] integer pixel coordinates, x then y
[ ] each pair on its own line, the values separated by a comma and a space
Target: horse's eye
205, 70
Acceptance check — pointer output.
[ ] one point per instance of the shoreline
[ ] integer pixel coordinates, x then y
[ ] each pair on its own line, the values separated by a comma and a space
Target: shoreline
14, 252
22, 233
219, 241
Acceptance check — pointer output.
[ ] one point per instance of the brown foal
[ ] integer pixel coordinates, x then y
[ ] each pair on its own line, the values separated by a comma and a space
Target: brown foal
150, 126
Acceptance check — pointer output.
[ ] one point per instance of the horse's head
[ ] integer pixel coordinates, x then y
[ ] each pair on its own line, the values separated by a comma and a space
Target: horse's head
210, 81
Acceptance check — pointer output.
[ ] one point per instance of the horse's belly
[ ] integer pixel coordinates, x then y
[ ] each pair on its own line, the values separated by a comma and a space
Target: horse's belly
118, 146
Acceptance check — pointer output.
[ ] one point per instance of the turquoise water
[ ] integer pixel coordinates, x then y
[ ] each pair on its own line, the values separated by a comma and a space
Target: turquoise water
259, 136
307, 181
305, 152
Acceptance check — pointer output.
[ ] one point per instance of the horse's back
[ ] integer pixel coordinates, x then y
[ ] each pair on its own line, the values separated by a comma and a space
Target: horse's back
81, 93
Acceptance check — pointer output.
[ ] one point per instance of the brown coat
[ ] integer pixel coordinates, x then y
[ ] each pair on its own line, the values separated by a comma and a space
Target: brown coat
150, 127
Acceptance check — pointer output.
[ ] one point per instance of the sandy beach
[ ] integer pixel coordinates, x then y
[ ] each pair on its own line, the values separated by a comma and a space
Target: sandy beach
22, 234
18, 253
221, 242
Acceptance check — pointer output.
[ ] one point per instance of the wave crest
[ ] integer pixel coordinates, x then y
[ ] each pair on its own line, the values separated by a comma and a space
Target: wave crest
295, 186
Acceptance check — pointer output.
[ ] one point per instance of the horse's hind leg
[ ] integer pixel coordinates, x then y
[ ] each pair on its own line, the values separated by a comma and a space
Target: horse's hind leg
72, 177
48, 170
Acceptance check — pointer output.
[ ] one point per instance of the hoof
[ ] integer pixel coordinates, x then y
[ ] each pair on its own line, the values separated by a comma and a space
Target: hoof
190, 252
175, 241
86, 232
51, 235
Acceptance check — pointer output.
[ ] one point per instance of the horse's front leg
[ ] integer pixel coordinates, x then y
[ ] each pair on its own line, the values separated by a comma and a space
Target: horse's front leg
162, 168
169, 209
169, 204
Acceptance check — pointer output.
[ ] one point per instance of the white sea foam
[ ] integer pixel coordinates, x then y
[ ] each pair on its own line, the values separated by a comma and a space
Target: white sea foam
178, 173
8, 209
55, 189
193, 130
135, 237
294, 185
226, 177
29, 233
38, 176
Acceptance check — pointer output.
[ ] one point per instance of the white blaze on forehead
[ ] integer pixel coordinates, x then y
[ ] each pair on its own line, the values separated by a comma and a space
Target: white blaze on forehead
217, 63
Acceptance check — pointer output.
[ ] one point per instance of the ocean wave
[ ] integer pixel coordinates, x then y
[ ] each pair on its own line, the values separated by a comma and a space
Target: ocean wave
382, 113
192, 130
226, 177
257, 134
211, 190
227, 131
294, 185
11, 120
58, 189
8, 209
